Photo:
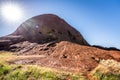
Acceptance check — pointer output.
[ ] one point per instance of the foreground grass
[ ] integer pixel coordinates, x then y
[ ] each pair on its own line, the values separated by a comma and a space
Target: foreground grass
31, 72
34, 72
106, 70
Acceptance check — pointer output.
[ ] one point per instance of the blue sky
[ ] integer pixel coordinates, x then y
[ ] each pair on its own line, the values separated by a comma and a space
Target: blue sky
97, 20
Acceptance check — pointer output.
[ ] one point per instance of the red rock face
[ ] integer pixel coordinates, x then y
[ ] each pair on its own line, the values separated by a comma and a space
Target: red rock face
43, 29
48, 27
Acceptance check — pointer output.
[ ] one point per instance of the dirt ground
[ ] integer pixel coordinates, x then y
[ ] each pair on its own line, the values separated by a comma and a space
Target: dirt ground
63, 55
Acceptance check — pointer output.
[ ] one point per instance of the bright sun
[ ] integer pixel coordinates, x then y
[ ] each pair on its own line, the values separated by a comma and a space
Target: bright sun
11, 12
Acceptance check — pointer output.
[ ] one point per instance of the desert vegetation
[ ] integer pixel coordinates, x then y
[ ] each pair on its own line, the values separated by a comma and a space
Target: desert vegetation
32, 72
106, 70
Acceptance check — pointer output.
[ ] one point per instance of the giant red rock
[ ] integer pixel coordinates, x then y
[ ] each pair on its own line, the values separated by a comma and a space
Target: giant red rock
42, 29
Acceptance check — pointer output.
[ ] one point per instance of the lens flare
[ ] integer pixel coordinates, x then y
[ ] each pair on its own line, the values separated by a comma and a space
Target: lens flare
11, 12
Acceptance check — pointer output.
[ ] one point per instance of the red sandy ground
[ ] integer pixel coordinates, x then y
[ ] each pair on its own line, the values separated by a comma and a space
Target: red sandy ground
65, 55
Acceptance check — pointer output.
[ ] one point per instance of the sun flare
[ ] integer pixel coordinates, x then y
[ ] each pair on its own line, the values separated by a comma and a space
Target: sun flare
11, 12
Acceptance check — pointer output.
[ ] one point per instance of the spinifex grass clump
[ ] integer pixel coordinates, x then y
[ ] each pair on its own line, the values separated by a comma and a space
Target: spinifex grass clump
106, 70
33, 72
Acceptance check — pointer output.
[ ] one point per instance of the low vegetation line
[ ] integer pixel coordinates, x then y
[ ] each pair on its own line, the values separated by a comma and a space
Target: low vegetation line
32, 72
106, 70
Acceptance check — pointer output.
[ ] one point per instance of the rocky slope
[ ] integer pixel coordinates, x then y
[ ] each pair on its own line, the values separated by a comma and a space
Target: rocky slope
64, 55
